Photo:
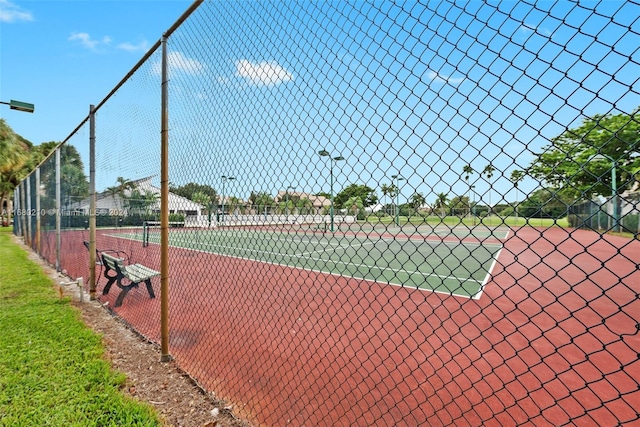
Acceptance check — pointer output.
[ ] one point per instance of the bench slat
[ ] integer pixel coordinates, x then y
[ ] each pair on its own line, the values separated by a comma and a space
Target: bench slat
112, 261
138, 272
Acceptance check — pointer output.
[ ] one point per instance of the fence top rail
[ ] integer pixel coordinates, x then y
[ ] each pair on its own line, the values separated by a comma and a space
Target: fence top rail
135, 68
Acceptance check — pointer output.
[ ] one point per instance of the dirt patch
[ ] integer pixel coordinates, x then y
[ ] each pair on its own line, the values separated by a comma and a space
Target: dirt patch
176, 397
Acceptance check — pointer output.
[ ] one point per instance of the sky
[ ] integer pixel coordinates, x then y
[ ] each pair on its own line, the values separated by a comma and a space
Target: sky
412, 89
63, 56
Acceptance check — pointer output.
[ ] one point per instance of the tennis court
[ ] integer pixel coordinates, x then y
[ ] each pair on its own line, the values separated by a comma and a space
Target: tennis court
451, 260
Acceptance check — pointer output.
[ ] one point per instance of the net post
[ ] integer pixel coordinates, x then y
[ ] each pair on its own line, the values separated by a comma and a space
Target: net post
145, 234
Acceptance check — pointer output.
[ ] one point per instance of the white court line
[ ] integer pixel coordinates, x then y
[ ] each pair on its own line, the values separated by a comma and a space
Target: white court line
326, 249
461, 280
346, 264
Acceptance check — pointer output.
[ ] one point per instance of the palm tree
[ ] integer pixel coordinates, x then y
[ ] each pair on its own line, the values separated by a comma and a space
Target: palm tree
123, 185
354, 205
234, 203
516, 177
488, 171
441, 203
388, 190
304, 205
13, 161
261, 202
118, 194
140, 203
417, 200
73, 186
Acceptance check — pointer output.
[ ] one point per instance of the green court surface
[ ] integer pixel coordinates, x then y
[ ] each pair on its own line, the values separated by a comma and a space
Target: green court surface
397, 258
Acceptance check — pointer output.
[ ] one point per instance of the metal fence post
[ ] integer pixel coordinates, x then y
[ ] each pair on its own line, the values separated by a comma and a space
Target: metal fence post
92, 203
29, 228
38, 245
58, 210
164, 211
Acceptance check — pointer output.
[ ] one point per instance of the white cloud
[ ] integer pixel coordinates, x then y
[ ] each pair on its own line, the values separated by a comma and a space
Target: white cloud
86, 40
178, 62
527, 29
10, 13
439, 78
263, 73
143, 46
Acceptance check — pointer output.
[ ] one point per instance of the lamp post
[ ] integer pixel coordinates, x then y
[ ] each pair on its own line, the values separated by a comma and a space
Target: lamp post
19, 106
224, 179
325, 153
398, 178
614, 187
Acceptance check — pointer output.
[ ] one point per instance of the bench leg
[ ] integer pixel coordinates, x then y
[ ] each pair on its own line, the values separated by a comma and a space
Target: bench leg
123, 293
149, 288
107, 287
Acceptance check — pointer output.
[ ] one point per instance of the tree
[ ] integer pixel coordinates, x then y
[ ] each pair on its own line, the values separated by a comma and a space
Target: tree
261, 201
14, 161
73, 184
389, 190
366, 194
285, 206
304, 205
544, 203
124, 185
234, 204
323, 194
355, 207
205, 201
441, 203
488, 171
460, 206
416, 201
140, 203
189, 189
578, 162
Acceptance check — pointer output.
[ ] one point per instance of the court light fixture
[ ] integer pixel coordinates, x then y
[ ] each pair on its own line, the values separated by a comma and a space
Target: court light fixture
19, 106
325, 153
224, 179
398, 178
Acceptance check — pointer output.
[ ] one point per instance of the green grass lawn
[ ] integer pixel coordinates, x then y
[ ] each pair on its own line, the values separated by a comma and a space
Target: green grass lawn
492, 221
51, 366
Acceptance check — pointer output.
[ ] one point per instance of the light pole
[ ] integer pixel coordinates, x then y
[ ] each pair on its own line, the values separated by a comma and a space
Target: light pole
325, 153
224, 179
614, 187
398, 178
19, 106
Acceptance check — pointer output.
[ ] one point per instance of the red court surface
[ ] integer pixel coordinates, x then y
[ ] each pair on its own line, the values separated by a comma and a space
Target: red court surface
553, 340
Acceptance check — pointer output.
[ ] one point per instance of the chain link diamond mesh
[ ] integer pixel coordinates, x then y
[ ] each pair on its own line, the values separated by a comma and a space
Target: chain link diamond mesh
383, 213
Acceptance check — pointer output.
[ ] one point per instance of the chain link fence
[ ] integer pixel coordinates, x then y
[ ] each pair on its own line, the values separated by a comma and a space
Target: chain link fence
375, 212
605, 215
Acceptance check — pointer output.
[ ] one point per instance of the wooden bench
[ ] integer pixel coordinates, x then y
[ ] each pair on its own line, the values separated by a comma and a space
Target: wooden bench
133, 273
113, 252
